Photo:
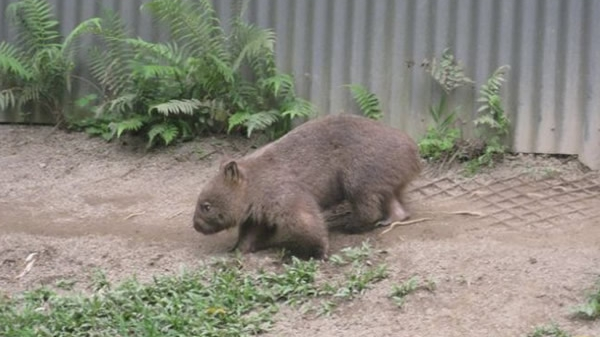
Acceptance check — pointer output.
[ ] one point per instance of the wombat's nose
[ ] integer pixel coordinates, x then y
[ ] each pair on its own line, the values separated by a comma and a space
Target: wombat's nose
196, 223
199, 225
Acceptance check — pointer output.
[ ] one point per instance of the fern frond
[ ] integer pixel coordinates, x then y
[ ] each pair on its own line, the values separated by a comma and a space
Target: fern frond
491, 105
250, 42
8, 98
298, 108
168, 132
111, 63
92, 25
11, 63
175, 106
32, 92
280, 83
243, 94
131, 124
237, 119
118, 105
221, 67
447, 72
261, 121
147, 71
193, 24
160, 53
494, 83
37, 26
367, 101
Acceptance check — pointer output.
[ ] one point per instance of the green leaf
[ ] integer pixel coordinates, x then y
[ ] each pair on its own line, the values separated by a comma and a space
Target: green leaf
298, 108
11, 62
238, 118
447, 72
367, 101
92, 25
260, 121
279, 83
166, 131
131, 124
175, 106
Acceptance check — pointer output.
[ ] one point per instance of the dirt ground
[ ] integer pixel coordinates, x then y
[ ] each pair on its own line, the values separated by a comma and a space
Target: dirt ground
524, 255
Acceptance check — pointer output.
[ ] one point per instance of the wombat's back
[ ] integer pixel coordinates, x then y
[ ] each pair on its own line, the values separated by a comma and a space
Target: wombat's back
328, 152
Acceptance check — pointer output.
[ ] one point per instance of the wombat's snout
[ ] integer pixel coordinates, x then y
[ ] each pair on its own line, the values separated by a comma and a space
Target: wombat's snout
199, 225
202, 226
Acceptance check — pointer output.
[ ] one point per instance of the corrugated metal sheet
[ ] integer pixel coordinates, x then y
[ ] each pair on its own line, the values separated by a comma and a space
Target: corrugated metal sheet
553, 91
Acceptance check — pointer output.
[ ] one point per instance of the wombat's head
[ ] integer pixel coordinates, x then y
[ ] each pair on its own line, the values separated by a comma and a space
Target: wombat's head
220, 204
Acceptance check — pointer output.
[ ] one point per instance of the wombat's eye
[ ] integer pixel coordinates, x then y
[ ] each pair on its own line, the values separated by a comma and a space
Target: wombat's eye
205, 207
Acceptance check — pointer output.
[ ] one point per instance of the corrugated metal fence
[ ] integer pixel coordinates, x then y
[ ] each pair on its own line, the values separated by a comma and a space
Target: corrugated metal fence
552, 46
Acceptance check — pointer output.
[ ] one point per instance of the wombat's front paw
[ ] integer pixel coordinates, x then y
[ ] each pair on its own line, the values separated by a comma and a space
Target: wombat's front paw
383, 223
246, 248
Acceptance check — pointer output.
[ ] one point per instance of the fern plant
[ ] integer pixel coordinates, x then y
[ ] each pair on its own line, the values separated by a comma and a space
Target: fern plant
447, 72
35, 73
195, 83
440, 139
367, 101
491, 109
493, 124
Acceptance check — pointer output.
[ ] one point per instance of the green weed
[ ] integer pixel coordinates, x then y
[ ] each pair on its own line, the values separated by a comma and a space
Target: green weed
551, 330
591, 308
400, 292
65, 284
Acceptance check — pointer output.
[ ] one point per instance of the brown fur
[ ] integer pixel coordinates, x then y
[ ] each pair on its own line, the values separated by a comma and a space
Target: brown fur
277, 194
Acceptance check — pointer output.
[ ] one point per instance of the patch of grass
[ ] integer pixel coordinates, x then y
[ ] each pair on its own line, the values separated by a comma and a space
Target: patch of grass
352, 254
224, 302
65, 284
357, 281
360, 276
99, 280
591, 308
220, 299
399, 292
551, 330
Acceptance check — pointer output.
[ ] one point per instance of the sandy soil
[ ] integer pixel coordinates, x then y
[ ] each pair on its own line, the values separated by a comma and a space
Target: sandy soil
524, 256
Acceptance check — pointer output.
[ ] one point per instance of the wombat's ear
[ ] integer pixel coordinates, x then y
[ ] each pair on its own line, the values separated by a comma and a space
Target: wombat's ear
232, 171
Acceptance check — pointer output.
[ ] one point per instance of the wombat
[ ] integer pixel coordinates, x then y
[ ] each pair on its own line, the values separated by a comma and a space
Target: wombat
278, 193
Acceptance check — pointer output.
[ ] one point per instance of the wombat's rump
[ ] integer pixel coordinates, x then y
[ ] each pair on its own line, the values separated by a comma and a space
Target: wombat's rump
277, 194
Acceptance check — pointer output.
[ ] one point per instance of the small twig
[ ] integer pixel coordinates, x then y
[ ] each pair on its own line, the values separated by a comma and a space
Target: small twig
134, 214
207, 154
453, 158
123, 175
404, 223
175, 215
30, 260
465, 213
128, 171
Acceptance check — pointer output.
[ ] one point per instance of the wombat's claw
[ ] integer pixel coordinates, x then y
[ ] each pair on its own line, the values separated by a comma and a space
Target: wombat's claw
234, 248
382, 223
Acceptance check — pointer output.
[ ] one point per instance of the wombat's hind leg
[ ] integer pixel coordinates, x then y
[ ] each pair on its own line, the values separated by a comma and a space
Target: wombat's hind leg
308, 236
395, 213
366, 211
